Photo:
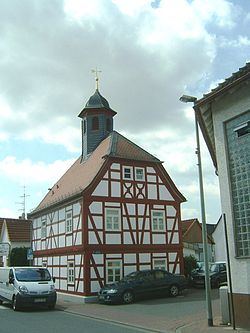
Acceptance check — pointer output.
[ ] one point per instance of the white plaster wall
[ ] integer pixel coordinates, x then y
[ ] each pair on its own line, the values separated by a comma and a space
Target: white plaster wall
231, 106
220, 243
189, 252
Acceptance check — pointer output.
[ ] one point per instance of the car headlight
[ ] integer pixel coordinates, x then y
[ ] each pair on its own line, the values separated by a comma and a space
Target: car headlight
52, 287
23, 289
112, 291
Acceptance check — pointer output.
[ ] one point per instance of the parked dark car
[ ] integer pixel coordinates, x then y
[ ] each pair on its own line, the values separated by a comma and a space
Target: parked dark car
217, 275
141, 284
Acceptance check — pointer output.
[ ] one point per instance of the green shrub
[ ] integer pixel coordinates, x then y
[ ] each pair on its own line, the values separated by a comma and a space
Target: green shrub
190, 263
18, 257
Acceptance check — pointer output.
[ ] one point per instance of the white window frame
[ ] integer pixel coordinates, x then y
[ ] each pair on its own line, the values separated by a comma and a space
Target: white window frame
112, 219
139, 176
70, 272
127, 175
157, 225
113, 270
159, 263
44, 227
68, 221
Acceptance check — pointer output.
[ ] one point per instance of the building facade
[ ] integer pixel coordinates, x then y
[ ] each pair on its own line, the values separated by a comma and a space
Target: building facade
116, 210
14, 233
193, 243
224, 117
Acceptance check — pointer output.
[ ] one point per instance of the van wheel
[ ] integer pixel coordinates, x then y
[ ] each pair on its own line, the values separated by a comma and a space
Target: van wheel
15, 305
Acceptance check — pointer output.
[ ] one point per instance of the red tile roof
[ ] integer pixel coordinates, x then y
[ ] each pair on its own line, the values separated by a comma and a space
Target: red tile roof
19, 230
192, 231
81, 174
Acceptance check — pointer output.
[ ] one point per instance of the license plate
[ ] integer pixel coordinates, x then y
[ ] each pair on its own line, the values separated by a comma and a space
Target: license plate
101, 297
40, 300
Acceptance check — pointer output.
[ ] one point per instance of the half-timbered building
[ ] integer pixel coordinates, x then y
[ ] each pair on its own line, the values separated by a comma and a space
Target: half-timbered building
115, 210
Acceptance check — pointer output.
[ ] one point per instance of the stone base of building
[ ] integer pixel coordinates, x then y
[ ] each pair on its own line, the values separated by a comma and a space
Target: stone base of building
76, 298
242, 310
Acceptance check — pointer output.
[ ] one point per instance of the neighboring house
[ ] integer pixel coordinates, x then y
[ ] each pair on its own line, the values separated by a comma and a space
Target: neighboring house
192, 240
16, 233
219, 240
115, 210
224, 118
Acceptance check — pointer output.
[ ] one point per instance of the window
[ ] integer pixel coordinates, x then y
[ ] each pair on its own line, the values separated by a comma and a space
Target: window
159, 275
158, 223
84, 126
146, 276
243, 129
71, 272
95, 123
112, 219
159, 264
113, 271
139, 173
44, 227
69, 222
238, 152
108, 125
127, 173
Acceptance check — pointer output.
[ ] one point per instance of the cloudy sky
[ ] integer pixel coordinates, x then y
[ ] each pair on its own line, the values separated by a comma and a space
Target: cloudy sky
149, 52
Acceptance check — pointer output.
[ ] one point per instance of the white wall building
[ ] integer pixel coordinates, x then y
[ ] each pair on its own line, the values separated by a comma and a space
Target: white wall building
224, 118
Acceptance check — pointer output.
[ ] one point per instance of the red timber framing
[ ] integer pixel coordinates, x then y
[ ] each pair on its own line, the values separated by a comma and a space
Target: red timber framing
136, 245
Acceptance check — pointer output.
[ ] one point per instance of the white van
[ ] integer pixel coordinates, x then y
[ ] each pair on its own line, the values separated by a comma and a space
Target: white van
27, 286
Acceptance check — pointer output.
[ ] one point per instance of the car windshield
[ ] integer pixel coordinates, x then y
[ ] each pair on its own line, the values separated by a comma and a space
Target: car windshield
32, 274
214, 268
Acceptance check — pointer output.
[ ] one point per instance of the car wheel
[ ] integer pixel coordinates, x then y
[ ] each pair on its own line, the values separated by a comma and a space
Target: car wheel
51, 306
128, 297
174, 290
15, 305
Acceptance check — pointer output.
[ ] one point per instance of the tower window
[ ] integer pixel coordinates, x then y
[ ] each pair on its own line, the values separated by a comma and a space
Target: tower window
84, 126
95, 123
108, 125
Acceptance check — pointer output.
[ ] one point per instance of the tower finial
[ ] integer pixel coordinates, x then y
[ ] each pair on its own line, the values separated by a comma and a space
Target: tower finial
96, 76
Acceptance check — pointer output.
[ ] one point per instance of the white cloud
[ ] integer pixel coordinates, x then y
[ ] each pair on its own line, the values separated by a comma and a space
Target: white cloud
220, 12
129, 40
241, 41
28, 172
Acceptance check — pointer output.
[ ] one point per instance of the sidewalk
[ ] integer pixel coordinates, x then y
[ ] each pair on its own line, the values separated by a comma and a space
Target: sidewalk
149, 322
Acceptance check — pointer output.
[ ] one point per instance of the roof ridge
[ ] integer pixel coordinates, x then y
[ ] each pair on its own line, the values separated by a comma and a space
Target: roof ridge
114, 145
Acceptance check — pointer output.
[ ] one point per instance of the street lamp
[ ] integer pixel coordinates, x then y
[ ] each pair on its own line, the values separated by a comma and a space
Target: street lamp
192, 99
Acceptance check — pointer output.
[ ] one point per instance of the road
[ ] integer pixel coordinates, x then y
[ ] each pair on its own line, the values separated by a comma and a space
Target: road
41, 320
155, 315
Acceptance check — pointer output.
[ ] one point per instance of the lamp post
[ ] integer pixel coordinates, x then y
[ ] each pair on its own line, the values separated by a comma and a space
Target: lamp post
192, 99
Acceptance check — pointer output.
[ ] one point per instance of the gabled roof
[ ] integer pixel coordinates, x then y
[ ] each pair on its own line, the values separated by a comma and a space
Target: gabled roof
81, 174
18, 229
192, 231
204, 110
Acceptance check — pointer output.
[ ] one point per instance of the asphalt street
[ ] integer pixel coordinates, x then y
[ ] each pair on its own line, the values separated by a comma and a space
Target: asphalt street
41, 320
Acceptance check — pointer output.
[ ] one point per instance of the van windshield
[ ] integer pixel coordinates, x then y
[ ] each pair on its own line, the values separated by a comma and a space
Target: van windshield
32, 274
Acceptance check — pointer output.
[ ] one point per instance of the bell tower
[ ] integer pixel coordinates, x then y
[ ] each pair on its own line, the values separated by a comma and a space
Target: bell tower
97, 120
